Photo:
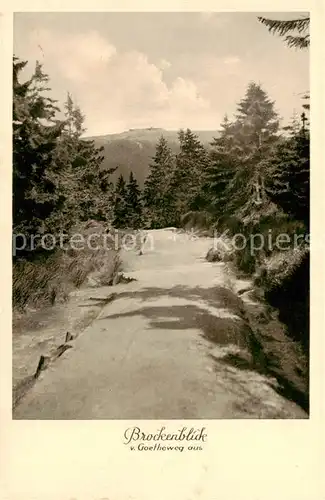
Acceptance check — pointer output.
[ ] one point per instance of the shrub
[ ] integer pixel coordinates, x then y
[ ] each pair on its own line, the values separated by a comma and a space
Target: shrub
50, 278
196, 220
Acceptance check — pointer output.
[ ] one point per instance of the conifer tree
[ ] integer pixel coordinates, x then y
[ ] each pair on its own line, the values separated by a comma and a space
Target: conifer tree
288, 175
120, 206
189, 174
225, 141
87, 189
294, 126
255, 134
156, 195
234, 181
133, 203
35, 134
257, 122
221, 170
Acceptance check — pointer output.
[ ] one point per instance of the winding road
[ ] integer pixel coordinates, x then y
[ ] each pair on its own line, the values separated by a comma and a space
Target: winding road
163, 349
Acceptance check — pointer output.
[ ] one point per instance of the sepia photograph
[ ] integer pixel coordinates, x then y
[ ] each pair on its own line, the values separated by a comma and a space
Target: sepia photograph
160, 216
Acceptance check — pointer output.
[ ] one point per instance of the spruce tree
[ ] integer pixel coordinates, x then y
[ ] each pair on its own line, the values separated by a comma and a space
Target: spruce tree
221, 171
288, 175
86, 188
35, 134
255, 134
225, 141
133, 203
234, 180
120, 207
257, 122
156, 194
188, 179
294, 126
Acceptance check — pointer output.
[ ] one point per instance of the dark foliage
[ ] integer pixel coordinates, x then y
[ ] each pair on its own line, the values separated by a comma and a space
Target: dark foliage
301, 26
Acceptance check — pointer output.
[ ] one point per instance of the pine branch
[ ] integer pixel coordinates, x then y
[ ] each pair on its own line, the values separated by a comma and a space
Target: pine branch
284, 27
299, 42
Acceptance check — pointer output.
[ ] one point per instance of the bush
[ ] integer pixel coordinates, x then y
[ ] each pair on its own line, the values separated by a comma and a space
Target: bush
286, 285
229, 223
214, 255
50, 278
245, 261
196, 220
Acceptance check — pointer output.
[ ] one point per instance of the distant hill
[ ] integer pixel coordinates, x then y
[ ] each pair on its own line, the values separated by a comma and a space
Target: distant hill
134, 149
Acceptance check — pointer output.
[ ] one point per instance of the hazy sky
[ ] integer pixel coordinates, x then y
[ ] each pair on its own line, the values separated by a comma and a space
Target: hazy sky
171, 70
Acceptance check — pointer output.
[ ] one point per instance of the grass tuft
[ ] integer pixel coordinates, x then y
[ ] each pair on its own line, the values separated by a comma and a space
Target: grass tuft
49, 278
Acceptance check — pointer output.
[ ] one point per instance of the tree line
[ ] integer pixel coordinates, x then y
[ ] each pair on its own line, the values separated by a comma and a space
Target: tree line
252, 172
58, 180
57, 175
252, 169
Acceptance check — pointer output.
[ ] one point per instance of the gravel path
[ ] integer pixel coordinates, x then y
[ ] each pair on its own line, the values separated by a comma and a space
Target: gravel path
162, 349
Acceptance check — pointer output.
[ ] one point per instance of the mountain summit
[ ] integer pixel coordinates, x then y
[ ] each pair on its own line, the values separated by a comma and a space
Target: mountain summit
133, 149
